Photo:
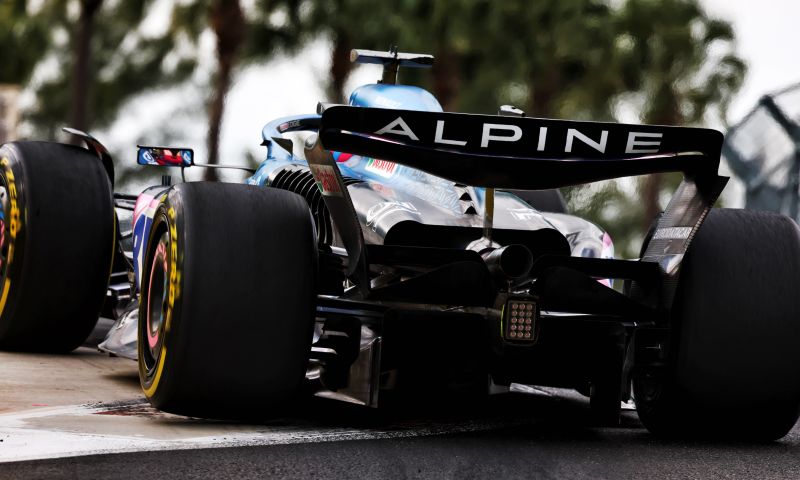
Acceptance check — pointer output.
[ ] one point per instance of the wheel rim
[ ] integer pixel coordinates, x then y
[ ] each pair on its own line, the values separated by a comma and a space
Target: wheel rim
157, 294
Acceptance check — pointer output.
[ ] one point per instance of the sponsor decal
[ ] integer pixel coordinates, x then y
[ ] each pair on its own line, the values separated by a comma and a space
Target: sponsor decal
14, 226
672, 233
174, 272
347, 159
635, 142
290, 124
2, 236
327, 182
382, 168
342, 157
380, 210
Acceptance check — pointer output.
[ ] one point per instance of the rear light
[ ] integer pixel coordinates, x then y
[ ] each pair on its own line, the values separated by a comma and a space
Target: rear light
520, 317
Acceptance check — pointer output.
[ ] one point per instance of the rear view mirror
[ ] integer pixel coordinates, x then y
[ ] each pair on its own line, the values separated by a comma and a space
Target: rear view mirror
163, 156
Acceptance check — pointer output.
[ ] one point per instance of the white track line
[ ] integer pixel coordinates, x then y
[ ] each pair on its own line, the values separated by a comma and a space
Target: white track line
24, 438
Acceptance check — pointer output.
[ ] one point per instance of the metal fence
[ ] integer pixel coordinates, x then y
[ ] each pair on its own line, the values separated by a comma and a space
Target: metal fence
764, 151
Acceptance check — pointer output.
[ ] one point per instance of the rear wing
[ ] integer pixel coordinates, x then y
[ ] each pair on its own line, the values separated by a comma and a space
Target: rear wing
523, 153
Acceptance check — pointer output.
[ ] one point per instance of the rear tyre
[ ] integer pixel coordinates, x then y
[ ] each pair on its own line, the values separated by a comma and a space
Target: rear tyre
228, 300
57, 236
735, 369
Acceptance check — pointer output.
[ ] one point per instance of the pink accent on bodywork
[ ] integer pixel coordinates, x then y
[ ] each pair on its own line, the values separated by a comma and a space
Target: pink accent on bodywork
142, 202
607, 243
607, 252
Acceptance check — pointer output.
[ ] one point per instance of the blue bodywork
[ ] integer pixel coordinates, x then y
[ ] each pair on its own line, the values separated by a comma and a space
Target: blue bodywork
404, 97
419, 184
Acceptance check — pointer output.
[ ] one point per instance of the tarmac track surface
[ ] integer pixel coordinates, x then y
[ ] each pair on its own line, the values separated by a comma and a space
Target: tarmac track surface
83, 416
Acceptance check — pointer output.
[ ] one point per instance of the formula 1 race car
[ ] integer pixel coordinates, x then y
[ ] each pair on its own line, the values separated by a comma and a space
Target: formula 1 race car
412, 253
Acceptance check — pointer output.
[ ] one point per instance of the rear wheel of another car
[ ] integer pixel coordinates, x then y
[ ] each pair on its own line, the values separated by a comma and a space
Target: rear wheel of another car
57, 238
735, 343
228, 301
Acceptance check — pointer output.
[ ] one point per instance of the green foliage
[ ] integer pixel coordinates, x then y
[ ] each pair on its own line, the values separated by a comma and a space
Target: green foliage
664, 59
682, 64
127, 58
22, 38
613, 206
680, 59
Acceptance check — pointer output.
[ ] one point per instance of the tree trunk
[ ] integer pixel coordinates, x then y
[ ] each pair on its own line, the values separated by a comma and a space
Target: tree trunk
543, 91
81, 67
446, 72
227, 22
340, 66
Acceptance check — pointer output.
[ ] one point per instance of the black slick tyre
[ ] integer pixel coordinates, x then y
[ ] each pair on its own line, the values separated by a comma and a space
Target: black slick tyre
227, 301
57, 237
735, 363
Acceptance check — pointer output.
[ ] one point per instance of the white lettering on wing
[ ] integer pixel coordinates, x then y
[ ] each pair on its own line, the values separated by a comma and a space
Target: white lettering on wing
634, 142
599, 146
440, 133
488, 136
404, 129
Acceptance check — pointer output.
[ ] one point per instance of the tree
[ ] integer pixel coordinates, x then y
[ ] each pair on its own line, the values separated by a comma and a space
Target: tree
349, 24
671, 43
114, 56
487, 51
554, 58
81, 68
24, 39
116, 53
242, 36
228, 24
441, 28
584, 56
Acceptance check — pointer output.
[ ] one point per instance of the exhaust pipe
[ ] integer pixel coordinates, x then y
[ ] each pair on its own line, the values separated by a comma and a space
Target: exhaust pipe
510, 262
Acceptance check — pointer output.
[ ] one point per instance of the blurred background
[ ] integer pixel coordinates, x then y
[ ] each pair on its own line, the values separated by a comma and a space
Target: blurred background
208, 74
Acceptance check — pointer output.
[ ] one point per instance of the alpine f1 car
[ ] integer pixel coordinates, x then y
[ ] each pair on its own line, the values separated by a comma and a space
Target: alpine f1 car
407, 252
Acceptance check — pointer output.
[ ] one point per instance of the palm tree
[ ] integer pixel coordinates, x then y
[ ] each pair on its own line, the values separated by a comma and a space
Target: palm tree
82, 56
349, 24
228, 24
241, 36
25, 41
671, 44
107, 62
558, 55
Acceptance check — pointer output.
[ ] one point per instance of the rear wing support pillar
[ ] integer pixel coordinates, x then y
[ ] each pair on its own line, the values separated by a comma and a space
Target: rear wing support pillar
337, 199
676, 228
